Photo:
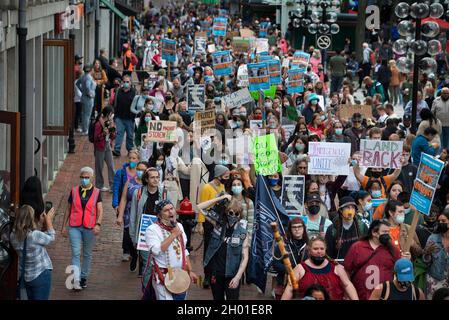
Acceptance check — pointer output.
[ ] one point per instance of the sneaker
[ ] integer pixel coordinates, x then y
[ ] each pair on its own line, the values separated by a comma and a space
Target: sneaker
79, 130
116, 154
104, 189
133, 265
126, 257
83, 283
76, 286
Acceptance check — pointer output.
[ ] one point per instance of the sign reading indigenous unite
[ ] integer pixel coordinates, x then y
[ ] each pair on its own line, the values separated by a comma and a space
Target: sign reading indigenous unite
203, 121
162, 131
426, 182
381, 154
292, 194
266, 155
329, 158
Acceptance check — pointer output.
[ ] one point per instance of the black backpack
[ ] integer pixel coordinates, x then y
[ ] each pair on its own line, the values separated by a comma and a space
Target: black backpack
91, 132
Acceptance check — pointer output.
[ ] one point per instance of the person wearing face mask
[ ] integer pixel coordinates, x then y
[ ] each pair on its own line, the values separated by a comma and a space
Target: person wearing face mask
209, 192
375, 250
311, 108
364, 206
316, 223
140, 101
356, 132
146, 116
336, 134
296, 150
319, 268
240, 193
129, 252
425, 230
345, 231
399, 231
440, 109
227, 254
436, 255
393, 191
401, 288
82, 221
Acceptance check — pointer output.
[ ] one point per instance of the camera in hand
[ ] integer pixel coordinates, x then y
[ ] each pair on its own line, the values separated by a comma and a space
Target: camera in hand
108, 125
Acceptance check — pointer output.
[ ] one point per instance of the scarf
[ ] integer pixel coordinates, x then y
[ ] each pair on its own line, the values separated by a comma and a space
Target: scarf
84, 190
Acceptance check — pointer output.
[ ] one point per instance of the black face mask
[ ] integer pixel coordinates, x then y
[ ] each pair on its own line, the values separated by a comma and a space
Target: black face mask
384, 239
224, 181
404, 284
314, 210
440, 227
318, 261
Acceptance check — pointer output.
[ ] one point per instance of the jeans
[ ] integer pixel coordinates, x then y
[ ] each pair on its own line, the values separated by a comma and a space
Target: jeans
122, 126
39, 288
100, 158
336, 83
88, 104
86, 237
445, 137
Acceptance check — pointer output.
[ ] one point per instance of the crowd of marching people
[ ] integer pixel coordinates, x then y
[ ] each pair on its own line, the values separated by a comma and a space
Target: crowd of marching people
358, 236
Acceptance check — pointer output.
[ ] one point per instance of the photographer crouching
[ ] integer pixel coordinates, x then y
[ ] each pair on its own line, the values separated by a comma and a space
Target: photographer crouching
228, 251
104, 134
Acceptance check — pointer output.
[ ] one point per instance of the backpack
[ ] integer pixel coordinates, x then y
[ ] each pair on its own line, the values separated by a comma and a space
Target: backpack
134, 59
91, 132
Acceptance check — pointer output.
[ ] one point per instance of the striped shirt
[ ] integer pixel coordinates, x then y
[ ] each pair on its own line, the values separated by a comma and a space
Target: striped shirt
37, 259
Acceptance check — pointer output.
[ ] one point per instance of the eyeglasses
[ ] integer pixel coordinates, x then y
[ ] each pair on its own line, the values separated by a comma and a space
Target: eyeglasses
298, 227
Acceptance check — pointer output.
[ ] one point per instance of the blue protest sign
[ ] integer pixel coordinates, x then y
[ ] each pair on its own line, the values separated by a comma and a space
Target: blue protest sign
296, 80
220, 26
274, 69
258, 76
263, 30
169, 50
145, 221
222, 63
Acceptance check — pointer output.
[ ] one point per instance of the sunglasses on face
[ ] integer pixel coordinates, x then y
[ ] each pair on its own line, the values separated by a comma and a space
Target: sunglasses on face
232, 213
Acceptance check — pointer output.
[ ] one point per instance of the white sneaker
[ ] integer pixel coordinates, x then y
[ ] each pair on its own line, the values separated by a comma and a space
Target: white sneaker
76, 286
104, 189
126, 257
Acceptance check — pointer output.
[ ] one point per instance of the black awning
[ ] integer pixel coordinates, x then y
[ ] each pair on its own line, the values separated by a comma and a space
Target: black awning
126, 9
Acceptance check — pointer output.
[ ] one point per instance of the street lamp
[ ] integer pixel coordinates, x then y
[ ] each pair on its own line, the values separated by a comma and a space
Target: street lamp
417, 40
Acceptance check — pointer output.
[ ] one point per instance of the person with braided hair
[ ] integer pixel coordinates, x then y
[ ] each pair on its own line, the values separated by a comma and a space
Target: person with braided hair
346, 229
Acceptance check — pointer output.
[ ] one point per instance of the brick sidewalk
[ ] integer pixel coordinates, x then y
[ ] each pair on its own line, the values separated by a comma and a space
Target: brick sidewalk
109, 278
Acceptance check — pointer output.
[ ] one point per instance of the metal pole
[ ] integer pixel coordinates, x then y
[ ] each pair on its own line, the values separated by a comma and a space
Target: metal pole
97, 29
71, 139
416, 61
22, 35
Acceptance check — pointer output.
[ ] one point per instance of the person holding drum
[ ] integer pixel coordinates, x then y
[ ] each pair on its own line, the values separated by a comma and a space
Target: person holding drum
172, 272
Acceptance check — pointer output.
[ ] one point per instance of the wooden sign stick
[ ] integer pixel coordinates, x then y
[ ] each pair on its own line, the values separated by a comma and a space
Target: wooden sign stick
411, 232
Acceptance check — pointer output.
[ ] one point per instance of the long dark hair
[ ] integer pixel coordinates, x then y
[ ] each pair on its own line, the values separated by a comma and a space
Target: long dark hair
293, 221
32, 195
374, 227
316, 287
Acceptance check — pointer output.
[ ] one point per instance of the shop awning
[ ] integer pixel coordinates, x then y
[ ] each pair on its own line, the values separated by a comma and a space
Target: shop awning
126, 9
111, 7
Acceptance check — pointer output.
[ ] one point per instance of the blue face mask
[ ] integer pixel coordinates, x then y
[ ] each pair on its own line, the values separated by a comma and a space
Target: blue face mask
132, 164
139, 174
85, 182
147, 119
339, 131
368, 206
299, 147
237, 189
126, 85
273, 182
376, 193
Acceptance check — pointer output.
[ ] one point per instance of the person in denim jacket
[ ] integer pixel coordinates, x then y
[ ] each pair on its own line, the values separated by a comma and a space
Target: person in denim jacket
436, 255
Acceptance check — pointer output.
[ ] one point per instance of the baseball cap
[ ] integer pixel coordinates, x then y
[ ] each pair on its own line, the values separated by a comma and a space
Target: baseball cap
313, 197
407, 117
404, 270
347, 201
357, 116
78, 57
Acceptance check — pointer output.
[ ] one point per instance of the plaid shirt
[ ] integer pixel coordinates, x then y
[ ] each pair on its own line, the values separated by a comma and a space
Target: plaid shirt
37, 259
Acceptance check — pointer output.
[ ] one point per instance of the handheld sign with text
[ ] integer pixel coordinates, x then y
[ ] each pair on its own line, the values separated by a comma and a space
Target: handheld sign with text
346, 111
237, 98
274, 69
145, 221
300, 60
263, 30
240, 45
219, 27
246, 33
196, 97
295, 80
204, 121
222, 63
262, 45
426, 182
266, 155
258, 76
242, 76
162, 131
329, 158
169, 50
381, 154
200, 45
292, 194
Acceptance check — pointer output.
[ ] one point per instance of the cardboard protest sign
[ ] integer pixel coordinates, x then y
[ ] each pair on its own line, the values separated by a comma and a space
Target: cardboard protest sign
262, 45
292, 194
381, 154
204, 121
145, 221
240, 45
266, 155
426, 182
222, 62
220, 26
300, 60
295, 80
169, 50
274, 69
246, 33
258, 76
200, 45
263, 29
237, 98
242, 76
196, 97
346, 111
162, 131
329, 158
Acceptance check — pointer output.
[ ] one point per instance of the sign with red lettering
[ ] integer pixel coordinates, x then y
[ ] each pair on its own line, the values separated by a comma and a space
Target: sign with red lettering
162, 131
381, 154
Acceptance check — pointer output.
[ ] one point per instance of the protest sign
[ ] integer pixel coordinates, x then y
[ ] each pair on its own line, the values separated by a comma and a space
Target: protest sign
169, 50
246, 33
266, 155
162, 131
426, 182
292, 194
329, 158
145, 221
200, 45
211, 48
381, 154
296, 80
258, 76
300, 60
264, 58
263, 30
240, 45
222, 63
262, 45
206, 27
219, 27
237, 98
346, 111
242, 76
204, 121
274, 69
196, 97
201, 34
